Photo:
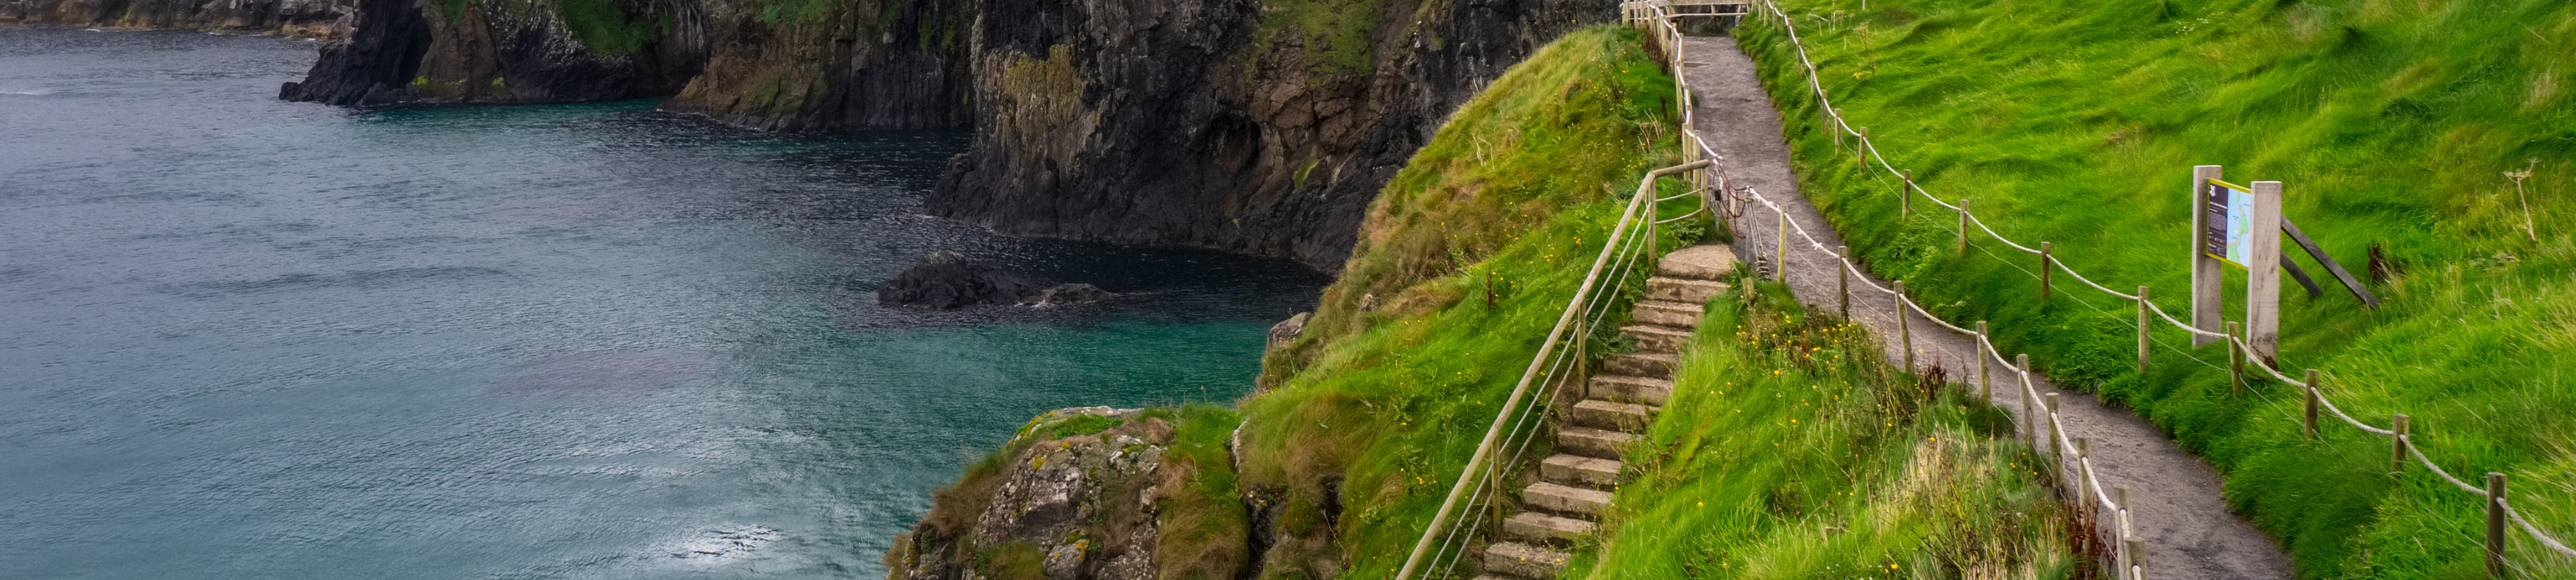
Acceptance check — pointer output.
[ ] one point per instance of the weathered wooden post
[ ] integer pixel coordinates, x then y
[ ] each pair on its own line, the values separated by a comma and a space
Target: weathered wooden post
2049, 416
2313, 385
2263, 274
2044, 271
2206, 271
1963, 227
2084, 469
1860, 155
1780, 260
2021, 362
1844, 272
2137, 557
2397, 446
2142, 334
2120, 510
1902, 332
2495, 525
2235, 361
1905, 197
1985, 383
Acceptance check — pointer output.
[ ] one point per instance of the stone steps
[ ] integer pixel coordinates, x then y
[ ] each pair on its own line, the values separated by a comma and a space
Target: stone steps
1580, 470
1619, 402
1683, 290
1589, 442
1657, 339
1628, 389
1524, 560
1666, 313
1600, 414
1640, 364
1566, 499
1546, 530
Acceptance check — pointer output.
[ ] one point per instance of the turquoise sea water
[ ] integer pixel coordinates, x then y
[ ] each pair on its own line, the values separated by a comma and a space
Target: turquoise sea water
241, 338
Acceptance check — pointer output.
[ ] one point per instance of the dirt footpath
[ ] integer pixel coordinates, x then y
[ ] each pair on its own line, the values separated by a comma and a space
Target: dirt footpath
2174, 496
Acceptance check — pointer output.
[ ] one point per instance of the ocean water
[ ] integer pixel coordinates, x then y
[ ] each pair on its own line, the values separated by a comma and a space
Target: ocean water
242, 338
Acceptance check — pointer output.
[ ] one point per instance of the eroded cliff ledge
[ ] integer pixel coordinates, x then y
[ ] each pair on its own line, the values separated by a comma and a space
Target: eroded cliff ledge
305, 18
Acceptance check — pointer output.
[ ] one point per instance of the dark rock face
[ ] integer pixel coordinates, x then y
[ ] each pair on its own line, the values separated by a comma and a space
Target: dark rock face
1225, 124
492, 52
870, 64
1081, 507
1193, 124
944, 280
307, 18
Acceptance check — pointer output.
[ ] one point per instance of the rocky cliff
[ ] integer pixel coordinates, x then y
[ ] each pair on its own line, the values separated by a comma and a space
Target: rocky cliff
306, 18
1254, 126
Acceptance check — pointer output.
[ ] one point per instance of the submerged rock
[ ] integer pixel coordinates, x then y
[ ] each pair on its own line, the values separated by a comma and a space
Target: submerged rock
945, 280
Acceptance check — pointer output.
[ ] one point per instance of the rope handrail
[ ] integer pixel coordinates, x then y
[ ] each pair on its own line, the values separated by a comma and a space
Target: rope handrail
1835, 120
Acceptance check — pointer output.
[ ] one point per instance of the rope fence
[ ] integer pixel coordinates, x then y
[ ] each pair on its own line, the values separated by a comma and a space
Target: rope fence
2127, 551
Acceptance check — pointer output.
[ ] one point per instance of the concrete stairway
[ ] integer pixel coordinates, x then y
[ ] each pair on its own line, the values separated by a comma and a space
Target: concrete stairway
1618, 403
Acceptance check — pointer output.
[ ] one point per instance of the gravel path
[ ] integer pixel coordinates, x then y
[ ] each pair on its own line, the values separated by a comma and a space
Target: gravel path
2174, 496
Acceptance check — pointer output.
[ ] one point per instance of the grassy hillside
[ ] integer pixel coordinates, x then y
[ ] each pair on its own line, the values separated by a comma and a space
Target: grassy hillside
1792, 449
1464, 262
2392, 123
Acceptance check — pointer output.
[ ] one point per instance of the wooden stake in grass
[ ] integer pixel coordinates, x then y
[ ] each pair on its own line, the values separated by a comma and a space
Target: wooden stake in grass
2021, 362
2517, 177
2142, 332
1963, 227
2044, 271
1901, 332
1905, 196
2495, 525
1860, 154
1780, 260
2235, 361
2397, 446
1985, 384
1843, 271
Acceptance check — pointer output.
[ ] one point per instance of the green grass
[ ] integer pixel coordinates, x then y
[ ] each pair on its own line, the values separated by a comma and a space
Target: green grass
1791, 449
1335, 33
2390, 123
1468, 257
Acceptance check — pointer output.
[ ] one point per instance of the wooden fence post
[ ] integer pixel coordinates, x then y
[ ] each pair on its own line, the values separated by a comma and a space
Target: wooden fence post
2235, 362
1902, 332
1905, 196
2313, 385
2263, 274
2137, 557
2142, 334
1963, 227
2044, 271
1844, 272
2495, 525
2206, 271
1780, 258
1985, 383
2397, 446
2120, 512
1860, 155
2084, 469
2048, 415
2021, 362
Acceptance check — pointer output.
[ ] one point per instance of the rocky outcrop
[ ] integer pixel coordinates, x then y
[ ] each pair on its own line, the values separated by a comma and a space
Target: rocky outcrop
1255, 126
944, 280
869, 64
508, 51
1249, 126
1075, 499
305, 18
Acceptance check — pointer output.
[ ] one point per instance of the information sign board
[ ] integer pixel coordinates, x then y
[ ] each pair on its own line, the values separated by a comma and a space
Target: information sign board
2227, 223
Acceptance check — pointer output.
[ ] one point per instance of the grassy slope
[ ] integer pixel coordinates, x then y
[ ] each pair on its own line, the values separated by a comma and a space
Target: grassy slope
1376, 410
2389, 121
1791, 449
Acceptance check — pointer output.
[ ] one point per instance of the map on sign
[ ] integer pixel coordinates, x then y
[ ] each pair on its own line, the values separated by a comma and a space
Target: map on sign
2229, 220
